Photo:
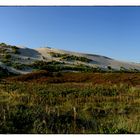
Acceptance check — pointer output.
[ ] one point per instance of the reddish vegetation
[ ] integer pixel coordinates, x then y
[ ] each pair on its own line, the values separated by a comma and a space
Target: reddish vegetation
29, 77
95, 78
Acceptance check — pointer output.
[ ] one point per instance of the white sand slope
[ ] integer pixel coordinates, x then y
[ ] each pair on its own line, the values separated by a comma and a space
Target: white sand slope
29, 53
98, 60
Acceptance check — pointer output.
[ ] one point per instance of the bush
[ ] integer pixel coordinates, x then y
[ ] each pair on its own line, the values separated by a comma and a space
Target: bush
3, 44
19, 66
7, 56
78, 58
53, 54
15, 50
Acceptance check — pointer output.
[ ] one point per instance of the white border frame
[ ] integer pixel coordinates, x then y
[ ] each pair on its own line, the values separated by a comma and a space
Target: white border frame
69, 2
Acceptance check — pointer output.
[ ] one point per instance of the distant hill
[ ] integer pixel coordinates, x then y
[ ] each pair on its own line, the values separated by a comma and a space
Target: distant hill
21, 60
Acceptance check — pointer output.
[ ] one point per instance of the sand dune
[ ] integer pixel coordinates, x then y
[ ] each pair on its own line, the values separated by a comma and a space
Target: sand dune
101, 61
28, 56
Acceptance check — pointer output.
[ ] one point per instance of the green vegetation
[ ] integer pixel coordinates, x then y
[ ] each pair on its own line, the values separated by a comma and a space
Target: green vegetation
124, 70
69, 57
55, 66
15, 50
43, 65
79, 103
19, 66
7, 56
109, 67
4, 73
53, 54
15, 65
77, 58
5, 46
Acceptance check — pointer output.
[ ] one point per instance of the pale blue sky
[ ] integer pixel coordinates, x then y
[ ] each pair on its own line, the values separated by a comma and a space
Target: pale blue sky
109, 31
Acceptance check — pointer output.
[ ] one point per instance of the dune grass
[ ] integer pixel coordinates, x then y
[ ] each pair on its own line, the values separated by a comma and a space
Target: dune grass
70, 107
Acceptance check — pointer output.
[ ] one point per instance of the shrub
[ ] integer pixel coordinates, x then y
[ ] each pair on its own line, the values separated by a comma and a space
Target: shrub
15, 50
3, 44
109, 67
78, 58
53, 54
7, 56
19, 66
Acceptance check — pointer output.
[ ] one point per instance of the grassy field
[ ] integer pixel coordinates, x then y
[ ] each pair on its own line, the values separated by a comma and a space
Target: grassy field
70, 103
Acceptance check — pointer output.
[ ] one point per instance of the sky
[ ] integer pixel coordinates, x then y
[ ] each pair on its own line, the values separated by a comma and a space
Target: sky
108, 31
